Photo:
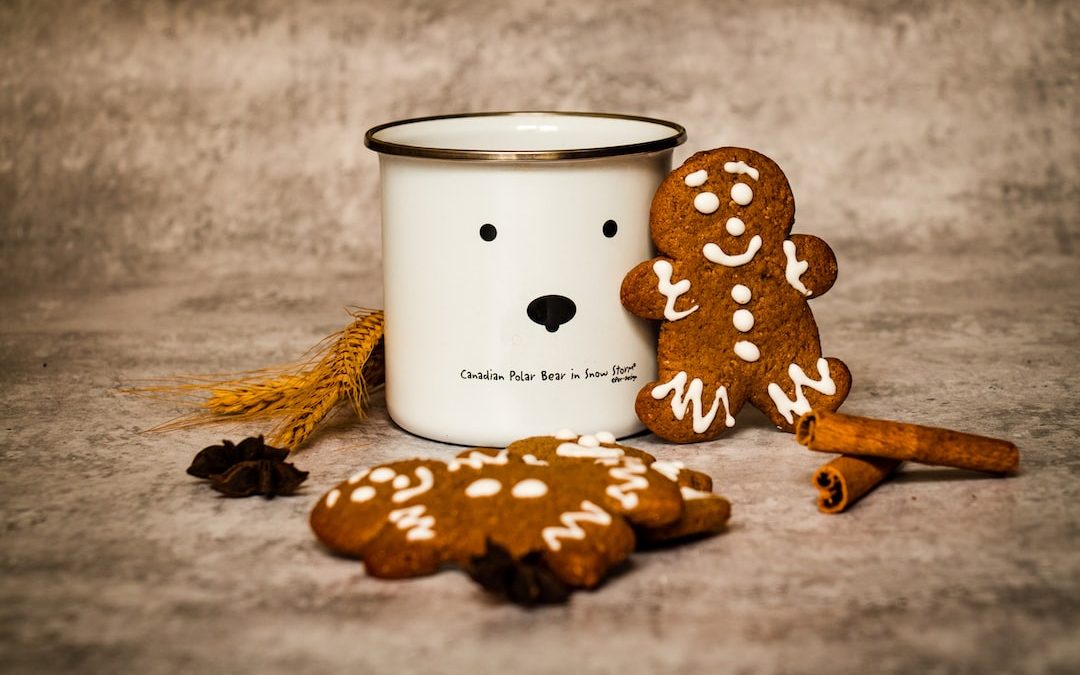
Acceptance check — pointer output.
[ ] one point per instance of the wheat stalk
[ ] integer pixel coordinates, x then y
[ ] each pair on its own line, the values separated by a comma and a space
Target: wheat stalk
339, 376
249, 398
300, 396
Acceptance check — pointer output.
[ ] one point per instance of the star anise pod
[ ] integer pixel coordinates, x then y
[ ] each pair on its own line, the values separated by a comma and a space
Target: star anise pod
247, 468
265, 477
217, 459
527, 581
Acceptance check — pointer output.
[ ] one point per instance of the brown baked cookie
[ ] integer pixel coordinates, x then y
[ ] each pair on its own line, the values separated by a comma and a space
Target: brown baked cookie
409, 518
573, 500
731, 289
701, 511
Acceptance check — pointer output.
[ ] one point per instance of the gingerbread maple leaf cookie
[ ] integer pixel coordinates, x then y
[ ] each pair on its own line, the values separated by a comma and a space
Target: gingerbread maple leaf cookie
731, 289
409, 518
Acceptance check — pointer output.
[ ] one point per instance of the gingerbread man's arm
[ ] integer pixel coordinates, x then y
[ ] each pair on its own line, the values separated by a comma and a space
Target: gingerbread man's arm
652, 290
812, 264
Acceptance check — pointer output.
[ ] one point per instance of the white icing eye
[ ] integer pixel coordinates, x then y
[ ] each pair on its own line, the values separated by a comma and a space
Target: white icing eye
530, 488
484, 487
740, 294
362, 494
696, 179
735, 226
382, 474
741, 194
706, 202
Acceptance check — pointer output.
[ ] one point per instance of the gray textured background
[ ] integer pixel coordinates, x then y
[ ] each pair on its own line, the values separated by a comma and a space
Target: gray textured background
184, 189
194, 133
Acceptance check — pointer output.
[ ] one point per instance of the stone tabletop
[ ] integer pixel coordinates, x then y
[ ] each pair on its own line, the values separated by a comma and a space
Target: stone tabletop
183, 192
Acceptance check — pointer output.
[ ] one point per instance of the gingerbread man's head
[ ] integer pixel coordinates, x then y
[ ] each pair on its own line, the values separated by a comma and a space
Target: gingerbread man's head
725, 203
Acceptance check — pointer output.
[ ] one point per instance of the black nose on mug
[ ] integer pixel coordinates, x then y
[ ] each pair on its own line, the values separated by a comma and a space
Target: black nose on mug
551, 311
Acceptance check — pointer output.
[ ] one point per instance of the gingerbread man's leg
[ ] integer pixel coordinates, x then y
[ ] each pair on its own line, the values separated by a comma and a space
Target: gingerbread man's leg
819, 383
685, 409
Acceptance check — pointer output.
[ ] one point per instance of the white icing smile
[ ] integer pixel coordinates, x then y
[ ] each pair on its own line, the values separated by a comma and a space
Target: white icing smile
717, 255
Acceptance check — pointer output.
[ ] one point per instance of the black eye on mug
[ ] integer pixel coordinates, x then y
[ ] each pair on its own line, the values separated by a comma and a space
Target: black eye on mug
488, 232
610, 228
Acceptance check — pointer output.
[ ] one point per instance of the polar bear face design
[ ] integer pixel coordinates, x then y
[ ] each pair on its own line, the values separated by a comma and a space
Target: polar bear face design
507, 287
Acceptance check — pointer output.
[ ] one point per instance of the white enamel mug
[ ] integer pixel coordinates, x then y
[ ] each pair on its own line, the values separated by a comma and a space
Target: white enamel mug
505, 240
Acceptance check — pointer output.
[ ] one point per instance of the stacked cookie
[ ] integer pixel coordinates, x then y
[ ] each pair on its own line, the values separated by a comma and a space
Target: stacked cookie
578, 504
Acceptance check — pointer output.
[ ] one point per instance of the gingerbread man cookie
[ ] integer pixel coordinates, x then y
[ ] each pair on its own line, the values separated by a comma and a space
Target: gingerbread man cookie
409, 518
731, 288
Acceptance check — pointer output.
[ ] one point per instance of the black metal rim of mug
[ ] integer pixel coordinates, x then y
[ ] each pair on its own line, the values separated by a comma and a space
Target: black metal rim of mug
677, 137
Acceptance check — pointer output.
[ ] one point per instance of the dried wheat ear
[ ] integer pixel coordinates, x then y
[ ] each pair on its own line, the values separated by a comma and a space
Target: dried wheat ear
296, 398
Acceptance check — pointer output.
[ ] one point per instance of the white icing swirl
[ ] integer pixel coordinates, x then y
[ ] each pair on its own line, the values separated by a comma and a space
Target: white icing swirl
631, 475
412, 519
668, 468
663, 271
425, 483
684, 397
800, 405
589, 513
795, 268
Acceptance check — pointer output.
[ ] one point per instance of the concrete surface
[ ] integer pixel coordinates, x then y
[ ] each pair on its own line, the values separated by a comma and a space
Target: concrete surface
183, 190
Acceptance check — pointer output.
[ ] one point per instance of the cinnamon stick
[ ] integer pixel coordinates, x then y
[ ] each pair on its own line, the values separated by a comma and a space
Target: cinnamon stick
844, 481
848, 434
